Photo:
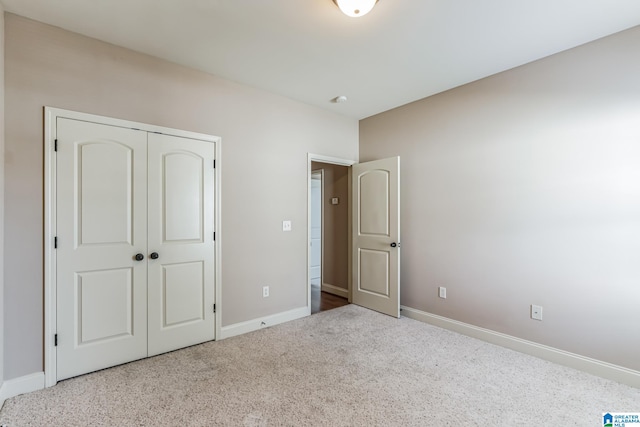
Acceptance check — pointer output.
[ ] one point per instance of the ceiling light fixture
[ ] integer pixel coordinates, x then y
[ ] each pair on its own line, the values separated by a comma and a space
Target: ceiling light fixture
355, 8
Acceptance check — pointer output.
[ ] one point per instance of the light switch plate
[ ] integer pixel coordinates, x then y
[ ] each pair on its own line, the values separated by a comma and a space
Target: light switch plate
442, 292
335, 200
286, 225
536, 312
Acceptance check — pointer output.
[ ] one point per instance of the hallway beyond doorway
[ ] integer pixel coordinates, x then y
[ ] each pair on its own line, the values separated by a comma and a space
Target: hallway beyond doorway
323, 301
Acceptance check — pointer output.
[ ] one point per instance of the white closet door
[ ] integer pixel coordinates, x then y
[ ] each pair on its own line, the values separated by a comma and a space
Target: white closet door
181, 278
101, 226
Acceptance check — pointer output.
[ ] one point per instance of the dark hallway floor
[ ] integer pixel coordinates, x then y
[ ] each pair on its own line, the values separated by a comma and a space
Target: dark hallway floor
322, 301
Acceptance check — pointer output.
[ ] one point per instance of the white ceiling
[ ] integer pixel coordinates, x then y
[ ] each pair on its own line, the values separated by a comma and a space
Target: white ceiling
402, 51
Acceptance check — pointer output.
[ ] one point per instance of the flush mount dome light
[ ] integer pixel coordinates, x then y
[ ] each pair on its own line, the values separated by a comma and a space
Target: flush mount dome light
355, 8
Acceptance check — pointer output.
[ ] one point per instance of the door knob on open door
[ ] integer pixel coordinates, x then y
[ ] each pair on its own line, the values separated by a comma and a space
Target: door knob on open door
394, 244
138, 257
154, 255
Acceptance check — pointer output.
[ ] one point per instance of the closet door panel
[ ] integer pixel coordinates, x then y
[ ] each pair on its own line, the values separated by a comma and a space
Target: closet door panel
101, 212
181, 277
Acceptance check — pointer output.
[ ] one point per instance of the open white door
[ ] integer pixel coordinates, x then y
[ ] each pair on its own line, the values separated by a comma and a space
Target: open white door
375, 235
315, 268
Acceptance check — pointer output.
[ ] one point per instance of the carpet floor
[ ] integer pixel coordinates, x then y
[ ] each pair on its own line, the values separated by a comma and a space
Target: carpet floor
344, 367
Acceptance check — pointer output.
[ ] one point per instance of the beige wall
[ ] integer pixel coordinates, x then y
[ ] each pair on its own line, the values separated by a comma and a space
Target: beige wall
336, 238
1, 196
524, 188
265, 141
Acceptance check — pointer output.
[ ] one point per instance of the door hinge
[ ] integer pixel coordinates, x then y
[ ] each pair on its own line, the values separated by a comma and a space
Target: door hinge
214, 308
55, 242
214, 236
55, 145
214, 163
55, 340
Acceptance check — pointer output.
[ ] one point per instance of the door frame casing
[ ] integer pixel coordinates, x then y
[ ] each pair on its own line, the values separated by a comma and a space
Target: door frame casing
311, 157
51, 115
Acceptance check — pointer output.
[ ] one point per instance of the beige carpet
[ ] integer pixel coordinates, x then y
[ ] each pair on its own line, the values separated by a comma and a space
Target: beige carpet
344, 367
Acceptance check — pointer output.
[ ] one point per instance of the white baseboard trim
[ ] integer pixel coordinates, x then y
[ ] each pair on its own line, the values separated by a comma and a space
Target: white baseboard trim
21, 385
335, 290
561, 357
263, 322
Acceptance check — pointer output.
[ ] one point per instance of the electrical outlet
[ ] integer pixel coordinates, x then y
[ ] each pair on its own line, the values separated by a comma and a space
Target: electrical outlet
265, 291
442, 292
536, 312
286, 225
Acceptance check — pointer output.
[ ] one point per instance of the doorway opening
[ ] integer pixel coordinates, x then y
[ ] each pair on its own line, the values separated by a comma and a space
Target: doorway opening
328, 235
371, 231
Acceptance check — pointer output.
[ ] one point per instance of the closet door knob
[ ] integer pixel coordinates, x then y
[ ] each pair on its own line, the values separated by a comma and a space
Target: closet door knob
139, 257
154, 255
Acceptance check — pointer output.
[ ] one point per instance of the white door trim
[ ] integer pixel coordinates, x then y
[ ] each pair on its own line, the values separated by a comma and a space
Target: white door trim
334, 161
50, 286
